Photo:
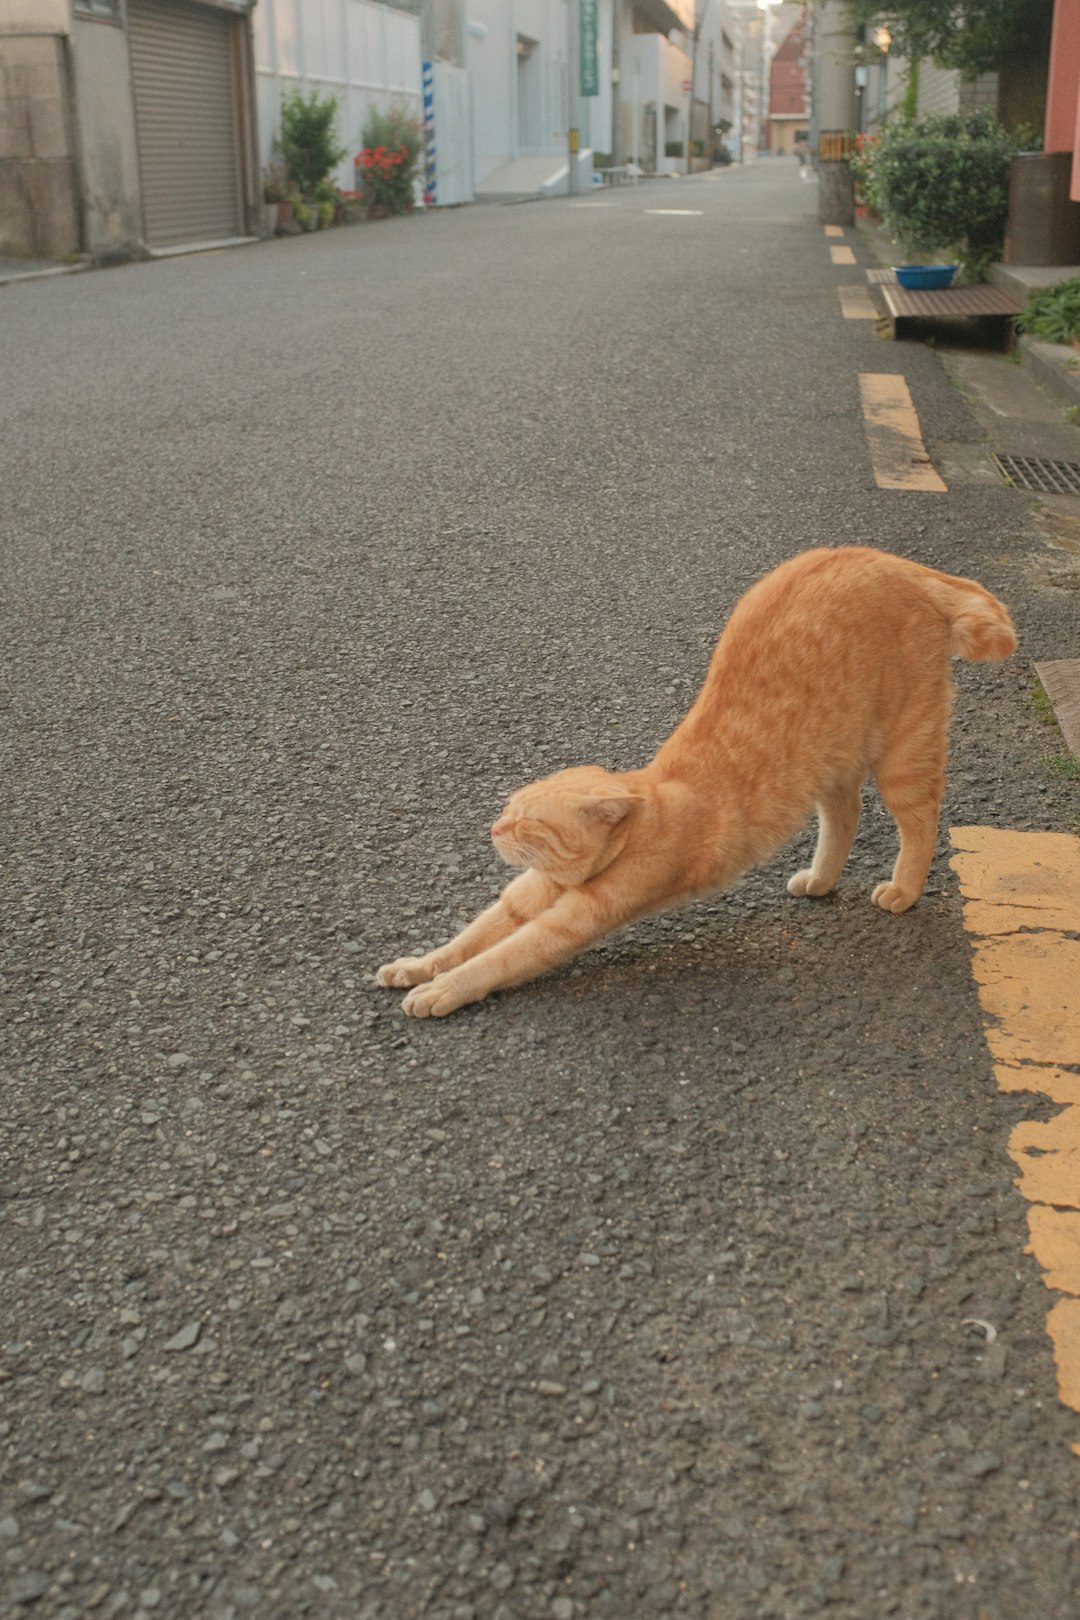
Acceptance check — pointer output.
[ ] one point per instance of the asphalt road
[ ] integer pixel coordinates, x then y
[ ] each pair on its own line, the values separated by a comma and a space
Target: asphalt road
641, 1290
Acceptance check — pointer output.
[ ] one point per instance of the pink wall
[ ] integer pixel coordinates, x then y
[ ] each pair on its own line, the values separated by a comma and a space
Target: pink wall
1063, 87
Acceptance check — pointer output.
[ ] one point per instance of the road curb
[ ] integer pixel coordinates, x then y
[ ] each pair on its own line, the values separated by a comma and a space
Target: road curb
8, 278
1021, 897
1053, 366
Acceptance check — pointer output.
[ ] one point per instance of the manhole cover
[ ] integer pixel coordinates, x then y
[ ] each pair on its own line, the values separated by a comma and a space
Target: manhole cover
1030, 472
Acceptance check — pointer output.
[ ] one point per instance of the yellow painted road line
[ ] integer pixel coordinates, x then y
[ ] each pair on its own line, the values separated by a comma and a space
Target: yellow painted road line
856, 304
1022, 906
897, 451
841, 255
834, 230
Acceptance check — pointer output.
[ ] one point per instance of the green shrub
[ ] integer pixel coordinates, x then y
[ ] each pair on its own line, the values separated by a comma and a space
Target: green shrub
308, 138
941, 187
1054, 313
674, 149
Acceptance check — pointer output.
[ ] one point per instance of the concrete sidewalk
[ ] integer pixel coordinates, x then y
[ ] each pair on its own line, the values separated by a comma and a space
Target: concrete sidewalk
1028, 405
35, 269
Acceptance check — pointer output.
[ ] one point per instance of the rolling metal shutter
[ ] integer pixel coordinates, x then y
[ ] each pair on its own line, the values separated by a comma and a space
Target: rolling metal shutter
185, 119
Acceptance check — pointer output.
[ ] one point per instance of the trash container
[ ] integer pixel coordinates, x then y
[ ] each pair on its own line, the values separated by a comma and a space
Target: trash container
1044, 222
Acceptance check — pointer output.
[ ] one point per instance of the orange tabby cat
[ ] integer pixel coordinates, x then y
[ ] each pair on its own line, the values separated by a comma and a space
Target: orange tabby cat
833, 667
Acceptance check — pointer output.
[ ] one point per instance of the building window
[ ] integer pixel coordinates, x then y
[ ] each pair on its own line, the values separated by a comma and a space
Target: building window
100, 8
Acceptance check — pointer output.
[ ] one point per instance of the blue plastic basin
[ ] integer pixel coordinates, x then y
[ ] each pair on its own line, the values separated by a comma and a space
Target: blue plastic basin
925, 276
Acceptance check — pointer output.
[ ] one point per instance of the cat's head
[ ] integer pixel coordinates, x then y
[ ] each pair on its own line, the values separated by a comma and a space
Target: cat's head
570, 825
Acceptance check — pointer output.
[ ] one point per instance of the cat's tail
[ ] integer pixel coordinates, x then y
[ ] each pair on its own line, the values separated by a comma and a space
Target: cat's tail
979, 625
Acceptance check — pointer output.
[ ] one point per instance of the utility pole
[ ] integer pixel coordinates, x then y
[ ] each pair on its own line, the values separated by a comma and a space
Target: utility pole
699, 18
838, 112
574, 133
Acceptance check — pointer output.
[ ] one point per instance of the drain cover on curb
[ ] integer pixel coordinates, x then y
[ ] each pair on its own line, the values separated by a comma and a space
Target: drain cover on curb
1048, 477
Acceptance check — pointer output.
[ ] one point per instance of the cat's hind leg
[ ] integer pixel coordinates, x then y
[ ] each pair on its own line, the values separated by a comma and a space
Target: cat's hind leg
911, 781
520, 901
838, 817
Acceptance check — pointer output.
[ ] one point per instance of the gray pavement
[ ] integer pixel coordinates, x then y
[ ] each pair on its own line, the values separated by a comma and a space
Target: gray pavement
643, 1290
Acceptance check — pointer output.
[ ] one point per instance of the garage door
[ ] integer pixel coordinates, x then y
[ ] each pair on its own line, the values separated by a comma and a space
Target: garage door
185, 120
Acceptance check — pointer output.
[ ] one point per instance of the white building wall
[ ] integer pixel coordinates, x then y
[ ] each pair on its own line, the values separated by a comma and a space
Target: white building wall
652, 87
886, 87
520, 98
365, 53
939, 90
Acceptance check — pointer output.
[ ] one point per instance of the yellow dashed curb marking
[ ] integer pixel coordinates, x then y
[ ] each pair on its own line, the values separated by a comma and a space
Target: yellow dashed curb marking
1021, 901
834, 230
841, 255
897, 451
856, 304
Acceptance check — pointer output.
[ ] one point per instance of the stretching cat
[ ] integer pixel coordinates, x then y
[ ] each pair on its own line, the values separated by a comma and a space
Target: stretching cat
833, 667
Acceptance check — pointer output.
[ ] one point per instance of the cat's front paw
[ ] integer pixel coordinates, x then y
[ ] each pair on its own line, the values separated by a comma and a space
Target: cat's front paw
405, 972
807, 883
443, 995
891, 897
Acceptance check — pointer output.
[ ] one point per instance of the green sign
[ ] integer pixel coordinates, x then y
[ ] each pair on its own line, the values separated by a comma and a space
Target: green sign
589, 48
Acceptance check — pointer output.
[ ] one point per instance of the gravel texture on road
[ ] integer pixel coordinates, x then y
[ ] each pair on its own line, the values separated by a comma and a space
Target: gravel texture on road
645, 1289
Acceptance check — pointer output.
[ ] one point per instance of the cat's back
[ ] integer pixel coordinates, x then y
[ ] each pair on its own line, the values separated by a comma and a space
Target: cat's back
845, 610
838, 587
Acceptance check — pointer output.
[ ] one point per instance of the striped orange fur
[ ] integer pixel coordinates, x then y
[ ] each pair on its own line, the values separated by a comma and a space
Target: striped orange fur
831, 669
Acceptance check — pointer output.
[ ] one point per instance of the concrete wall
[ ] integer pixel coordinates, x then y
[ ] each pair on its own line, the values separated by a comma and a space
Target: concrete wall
652, 96
106, 144
520, 102
366, 54
39, 212
942, 90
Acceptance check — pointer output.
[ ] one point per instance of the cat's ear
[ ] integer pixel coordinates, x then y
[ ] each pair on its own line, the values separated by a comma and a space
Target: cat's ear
610, 806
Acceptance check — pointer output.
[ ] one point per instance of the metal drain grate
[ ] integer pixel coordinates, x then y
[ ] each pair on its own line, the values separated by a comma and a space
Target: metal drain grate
1047, 477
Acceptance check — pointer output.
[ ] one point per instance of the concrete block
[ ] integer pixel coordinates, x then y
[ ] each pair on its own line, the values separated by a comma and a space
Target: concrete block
48, 128
50, 189
39, 214
34, 17
15, 139
30, 70
16, 225
1060, 678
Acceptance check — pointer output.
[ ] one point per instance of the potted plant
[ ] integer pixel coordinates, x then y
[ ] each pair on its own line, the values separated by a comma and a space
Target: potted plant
941, 187
308, 138
309, 149
276, 196
325, 199
353, 207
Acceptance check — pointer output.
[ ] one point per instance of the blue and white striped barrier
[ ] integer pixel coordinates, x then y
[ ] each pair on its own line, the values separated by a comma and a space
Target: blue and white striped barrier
429, 132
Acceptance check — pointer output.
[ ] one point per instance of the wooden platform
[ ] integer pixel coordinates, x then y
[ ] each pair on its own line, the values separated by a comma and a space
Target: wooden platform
904, 307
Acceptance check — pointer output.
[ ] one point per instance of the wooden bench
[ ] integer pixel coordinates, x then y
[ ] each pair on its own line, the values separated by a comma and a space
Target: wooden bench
905, 308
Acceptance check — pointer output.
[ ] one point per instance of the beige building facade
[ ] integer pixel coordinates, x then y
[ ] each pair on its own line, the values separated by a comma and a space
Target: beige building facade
126, 126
